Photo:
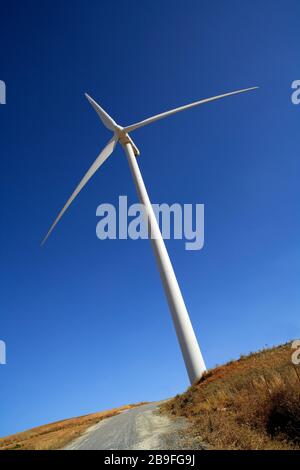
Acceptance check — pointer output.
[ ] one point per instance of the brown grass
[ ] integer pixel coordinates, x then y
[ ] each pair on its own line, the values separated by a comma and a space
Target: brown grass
56, 435
252, 403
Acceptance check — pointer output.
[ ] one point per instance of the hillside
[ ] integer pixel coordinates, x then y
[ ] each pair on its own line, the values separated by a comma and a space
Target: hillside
56, 435
252, 403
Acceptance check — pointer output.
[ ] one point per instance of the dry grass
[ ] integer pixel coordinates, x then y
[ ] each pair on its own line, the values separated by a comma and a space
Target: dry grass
56, 435
252, 403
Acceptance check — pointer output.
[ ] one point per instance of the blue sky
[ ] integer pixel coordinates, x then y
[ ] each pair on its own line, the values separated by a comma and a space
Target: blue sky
85, 321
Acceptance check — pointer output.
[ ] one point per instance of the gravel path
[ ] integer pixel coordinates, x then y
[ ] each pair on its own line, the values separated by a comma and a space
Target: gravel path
139, 428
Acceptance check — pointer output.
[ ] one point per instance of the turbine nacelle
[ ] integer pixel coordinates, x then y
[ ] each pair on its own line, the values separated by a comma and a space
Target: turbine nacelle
124, 138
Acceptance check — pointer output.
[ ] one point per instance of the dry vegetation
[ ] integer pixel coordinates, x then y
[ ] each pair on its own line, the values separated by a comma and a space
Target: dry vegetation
56, 435
252, 403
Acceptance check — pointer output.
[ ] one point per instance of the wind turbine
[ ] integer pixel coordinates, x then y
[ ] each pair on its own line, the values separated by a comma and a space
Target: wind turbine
188, 343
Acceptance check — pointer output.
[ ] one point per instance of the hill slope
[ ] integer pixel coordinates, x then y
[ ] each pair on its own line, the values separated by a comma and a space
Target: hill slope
56, 435
252, 403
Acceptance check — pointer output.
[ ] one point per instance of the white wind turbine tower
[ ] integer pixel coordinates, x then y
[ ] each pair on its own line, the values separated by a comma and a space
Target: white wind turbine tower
189, 346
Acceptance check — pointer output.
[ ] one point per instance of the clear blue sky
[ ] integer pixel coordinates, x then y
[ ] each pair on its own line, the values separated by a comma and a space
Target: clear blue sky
86, 323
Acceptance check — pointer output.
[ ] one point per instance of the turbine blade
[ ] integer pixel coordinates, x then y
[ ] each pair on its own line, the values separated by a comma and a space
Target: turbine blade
108, 149
182, 108
105, 118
